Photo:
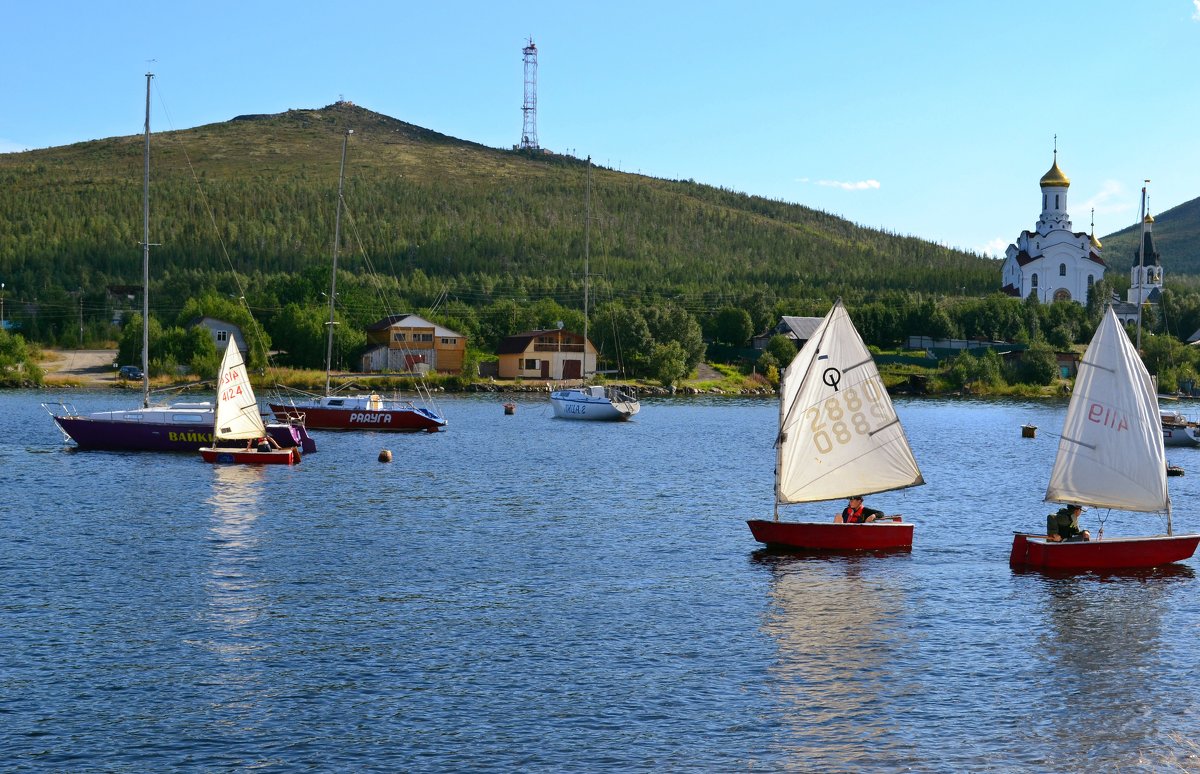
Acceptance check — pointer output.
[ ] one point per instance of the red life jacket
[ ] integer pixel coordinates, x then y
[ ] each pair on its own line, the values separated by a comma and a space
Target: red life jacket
851, 516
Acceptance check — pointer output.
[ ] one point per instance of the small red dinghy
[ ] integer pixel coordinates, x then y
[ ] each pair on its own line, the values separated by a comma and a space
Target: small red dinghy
251, 456
238, 419
1108, 554
838, 436
1110, 455
823, 536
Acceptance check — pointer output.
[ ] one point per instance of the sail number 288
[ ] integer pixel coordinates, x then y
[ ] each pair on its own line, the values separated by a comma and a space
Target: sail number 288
834, 421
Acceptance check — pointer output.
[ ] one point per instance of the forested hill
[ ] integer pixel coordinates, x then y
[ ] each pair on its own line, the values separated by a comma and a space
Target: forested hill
1176, 237
447, 218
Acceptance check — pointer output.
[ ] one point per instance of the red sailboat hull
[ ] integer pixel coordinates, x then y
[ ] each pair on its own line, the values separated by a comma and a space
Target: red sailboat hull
1108, 554
410, 420
828, 536
251, 456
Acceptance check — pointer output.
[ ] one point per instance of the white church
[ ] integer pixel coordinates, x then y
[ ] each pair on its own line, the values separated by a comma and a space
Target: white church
1058, 264
1052, 261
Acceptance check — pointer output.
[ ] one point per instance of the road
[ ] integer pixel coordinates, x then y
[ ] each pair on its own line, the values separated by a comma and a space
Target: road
91, 365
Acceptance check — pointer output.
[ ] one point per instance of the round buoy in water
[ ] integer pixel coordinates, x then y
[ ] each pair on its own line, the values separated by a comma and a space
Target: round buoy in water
385, 456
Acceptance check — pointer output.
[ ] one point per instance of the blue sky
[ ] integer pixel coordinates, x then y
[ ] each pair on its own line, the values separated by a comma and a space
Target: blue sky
934, 118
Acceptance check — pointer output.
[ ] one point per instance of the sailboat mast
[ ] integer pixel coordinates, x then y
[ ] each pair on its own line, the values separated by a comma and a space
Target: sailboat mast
146, 255
337, 240
1141, 266
587, 239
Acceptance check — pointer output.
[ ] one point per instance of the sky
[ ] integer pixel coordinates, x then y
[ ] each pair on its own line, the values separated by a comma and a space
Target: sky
932, 118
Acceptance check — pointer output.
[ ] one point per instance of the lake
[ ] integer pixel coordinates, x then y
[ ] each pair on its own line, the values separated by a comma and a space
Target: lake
526, 593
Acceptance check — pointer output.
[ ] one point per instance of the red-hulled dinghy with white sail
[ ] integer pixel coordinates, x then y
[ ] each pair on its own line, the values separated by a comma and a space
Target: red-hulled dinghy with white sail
238, 420
1110, 456
838, 436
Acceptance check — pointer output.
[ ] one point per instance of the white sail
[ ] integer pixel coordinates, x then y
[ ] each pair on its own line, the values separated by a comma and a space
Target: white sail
838, 432
1111, 452
238, 417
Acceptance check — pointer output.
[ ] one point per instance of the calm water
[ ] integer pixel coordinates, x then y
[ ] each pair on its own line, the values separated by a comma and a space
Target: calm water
525, 593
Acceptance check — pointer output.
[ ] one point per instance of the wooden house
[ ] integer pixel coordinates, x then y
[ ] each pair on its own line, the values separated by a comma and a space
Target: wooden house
549, 354
407, 343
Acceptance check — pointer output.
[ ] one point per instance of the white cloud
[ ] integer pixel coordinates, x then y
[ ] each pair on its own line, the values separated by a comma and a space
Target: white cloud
1111, 199
861, 185
1196, 13
995, 248
7, 146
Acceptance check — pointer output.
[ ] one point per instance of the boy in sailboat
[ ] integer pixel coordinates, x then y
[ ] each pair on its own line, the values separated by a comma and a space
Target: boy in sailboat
856, 513
1064, 525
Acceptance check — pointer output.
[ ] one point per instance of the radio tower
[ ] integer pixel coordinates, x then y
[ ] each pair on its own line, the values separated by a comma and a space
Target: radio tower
529, 140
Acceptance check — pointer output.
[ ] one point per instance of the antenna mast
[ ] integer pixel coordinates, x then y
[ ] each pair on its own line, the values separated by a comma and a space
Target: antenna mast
529, 139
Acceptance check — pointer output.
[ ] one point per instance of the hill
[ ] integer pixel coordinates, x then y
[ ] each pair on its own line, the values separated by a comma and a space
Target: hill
1176, 237
446, 217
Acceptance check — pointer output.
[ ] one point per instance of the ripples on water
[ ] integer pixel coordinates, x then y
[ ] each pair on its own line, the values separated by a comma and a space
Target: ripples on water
529, 593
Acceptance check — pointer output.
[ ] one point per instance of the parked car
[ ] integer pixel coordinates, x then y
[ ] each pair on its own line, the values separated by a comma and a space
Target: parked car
130, 372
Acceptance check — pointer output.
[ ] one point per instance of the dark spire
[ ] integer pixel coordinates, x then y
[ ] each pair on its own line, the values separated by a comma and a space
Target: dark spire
1147, 246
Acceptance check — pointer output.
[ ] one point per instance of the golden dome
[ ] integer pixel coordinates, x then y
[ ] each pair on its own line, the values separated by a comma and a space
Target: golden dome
1149, 218
1055, 177
1096, 242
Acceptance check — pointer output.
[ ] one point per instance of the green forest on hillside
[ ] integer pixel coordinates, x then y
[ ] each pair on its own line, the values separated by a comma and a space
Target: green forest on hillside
484, 241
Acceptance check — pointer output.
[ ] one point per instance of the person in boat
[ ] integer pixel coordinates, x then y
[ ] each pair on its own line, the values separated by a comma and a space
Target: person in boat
263, 444
1063, 526
856, 513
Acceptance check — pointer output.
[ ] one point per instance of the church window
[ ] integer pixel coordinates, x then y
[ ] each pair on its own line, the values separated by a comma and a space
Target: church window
1043, 201
1033, 282
1062, 270
1091, 281
1062, 294
1056, 201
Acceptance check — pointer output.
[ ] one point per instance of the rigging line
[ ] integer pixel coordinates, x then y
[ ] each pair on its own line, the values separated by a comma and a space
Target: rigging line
257, 333
423, 389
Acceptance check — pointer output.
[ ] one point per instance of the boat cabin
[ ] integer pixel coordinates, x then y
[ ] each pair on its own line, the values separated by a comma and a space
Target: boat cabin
554, 354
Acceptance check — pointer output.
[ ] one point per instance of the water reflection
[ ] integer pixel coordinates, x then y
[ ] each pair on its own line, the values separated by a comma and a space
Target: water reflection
837, 623
233, 588
1101, 642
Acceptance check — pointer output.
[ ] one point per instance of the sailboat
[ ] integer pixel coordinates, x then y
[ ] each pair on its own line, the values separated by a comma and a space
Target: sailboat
596, 402
1110, 456
354, 412
238, 419
839, 436
181, 426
